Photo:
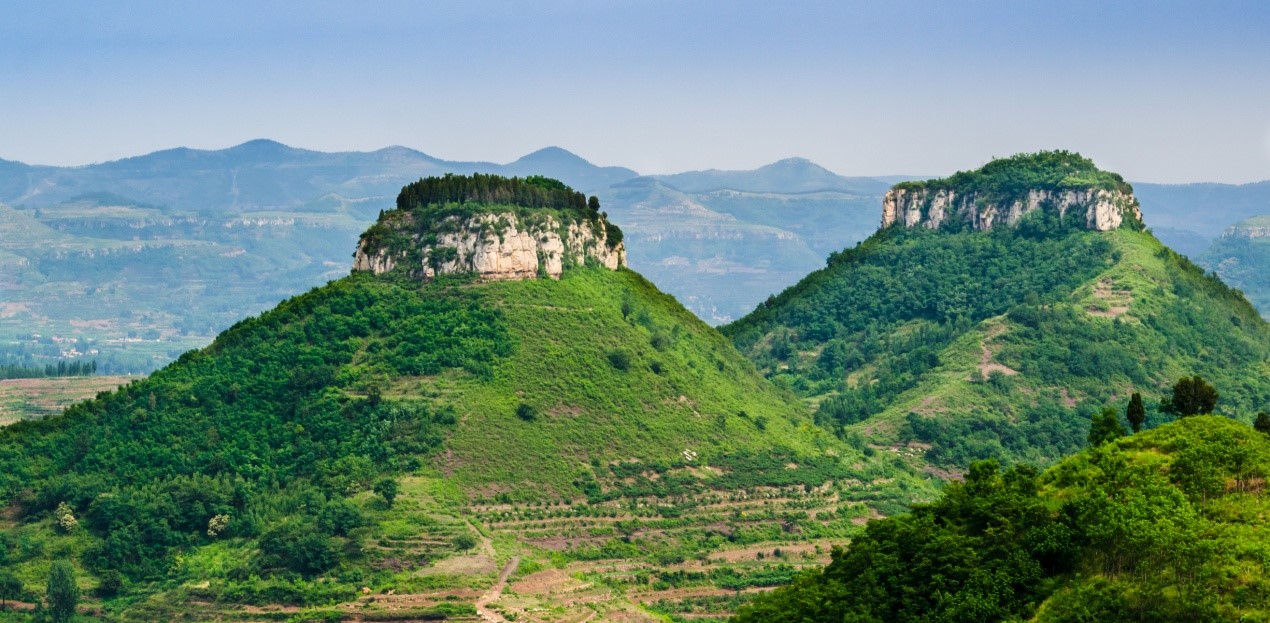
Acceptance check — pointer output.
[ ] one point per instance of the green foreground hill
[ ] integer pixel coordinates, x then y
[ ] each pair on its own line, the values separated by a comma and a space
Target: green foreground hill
956, 343
1166, 525
383, 446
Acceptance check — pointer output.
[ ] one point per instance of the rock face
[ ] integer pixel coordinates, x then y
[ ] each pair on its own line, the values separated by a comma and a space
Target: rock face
1247, 231
494, 246
930, 207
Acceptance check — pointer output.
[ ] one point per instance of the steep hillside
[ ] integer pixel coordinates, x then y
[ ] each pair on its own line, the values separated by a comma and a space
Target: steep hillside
1166, 525
1241, 257
965, 341
413, 433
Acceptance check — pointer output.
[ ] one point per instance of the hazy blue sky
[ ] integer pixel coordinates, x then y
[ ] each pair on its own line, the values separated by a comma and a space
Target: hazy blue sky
1158, 90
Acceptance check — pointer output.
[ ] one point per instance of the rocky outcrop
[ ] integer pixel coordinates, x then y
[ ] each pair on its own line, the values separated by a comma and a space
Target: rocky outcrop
1247, 231
1103, 210
494, 246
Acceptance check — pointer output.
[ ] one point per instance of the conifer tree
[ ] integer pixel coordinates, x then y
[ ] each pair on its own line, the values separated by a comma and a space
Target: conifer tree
1137, 412
1262, 423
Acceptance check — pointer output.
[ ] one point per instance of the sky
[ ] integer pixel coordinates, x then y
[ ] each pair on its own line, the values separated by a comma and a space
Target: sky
1159, 91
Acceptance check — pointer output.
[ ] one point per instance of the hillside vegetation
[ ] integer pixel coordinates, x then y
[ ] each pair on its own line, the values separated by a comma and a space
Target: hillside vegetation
957, 346
413, 439
1006, 179
1166, 525
1242, 259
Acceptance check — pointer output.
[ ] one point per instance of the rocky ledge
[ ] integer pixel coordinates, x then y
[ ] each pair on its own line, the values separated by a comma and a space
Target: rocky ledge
492, 245
1103, 210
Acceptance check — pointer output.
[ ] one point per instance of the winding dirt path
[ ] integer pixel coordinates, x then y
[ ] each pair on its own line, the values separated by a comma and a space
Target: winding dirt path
495, 592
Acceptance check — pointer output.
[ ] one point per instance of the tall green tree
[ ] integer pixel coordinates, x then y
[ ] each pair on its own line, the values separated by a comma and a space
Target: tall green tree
1105, 427
10, 587
387, 489
1262, 423
1191, 396
1136, 413
62, 592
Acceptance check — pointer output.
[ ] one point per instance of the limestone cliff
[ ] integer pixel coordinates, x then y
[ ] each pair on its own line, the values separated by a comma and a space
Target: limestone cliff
1255, 227
1004, 190
493, 245
1102, 209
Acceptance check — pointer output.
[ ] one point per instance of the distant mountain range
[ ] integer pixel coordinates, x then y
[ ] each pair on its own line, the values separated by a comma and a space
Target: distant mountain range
180, 243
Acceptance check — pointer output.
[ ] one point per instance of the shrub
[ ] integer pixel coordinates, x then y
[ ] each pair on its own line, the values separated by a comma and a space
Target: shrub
298, 546
526, 412
620, 360
387, 489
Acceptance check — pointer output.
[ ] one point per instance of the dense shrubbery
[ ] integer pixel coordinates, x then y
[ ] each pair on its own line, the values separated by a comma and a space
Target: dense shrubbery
893, 303
268, 428
1141, 529
531, 192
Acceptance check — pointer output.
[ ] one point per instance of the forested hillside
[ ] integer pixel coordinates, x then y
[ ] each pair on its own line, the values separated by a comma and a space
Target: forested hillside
1164, 525
958, 345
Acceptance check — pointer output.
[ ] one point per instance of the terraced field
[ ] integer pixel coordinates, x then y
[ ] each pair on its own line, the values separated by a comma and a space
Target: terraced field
625, 559
22, 399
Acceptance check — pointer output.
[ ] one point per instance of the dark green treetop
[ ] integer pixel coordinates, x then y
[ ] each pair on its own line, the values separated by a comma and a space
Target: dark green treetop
1137, 412
1191, 396
1010, 178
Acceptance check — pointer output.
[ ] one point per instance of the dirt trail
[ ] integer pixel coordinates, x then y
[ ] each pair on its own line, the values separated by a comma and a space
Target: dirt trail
986, 365
495, 592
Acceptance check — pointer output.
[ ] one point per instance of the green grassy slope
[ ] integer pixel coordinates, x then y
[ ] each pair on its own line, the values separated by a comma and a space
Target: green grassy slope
1166, 525
684, 388
975, 344
645, 437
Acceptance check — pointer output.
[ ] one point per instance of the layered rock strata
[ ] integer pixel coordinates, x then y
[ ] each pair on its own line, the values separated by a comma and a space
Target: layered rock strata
496, 246
1103, 210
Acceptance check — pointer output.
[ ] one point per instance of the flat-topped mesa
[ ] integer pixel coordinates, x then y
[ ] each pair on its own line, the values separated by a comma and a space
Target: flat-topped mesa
491, 226
1255, 227
1005, 190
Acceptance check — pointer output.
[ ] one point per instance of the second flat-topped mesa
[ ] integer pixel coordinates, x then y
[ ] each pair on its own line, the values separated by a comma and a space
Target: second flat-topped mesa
491, 226
1060, 183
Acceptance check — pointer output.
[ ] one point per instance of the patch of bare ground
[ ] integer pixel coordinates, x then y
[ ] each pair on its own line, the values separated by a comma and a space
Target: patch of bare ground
403, 601
1117, 301
864, 519
9, 310
930, 406
943, 474
476, 564
986, 365
691, 592
549, 582
796, 551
